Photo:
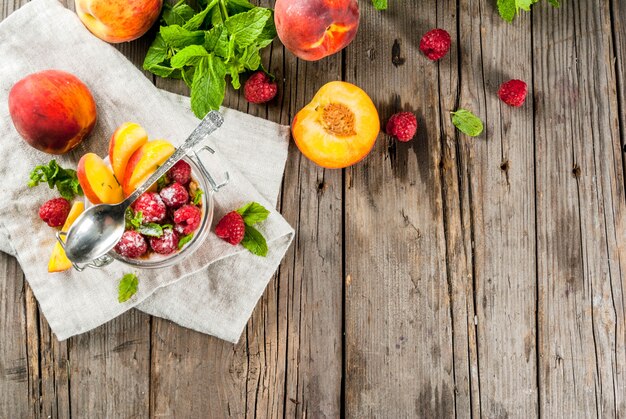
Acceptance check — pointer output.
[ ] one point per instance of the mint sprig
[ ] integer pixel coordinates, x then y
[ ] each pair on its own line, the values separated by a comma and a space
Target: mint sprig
134, 221
467, 122
508, 9
254, 213
127, 287
64, 180
380, 4
202, 47
184, 240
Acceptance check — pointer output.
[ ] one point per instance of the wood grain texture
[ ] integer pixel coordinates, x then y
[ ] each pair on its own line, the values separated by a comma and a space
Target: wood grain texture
580, 214
399, 350
499, 182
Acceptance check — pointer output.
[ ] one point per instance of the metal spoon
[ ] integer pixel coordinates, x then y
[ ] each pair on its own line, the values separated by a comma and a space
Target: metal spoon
98, 229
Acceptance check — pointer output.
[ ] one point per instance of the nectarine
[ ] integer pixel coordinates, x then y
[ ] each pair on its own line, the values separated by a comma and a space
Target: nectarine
118, 20
144, 162
97, 180
338, 128
58, 260
314, 29
52, 110
126, 139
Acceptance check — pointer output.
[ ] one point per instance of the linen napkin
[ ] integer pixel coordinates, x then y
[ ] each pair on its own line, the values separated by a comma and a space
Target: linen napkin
213, 291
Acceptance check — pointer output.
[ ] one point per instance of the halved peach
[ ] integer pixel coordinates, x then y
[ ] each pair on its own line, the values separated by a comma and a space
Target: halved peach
97, 180
144, 162
338, 128
126, 139
58, 260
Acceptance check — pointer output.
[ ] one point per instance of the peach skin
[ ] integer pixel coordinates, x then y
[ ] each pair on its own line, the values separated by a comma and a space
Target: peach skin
117, 21
338, 128
126, 139
52, 110
144, 162
314, 29
97, 180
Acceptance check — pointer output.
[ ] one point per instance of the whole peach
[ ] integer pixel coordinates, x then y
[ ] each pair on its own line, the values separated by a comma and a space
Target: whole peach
314, 29
118, 20
52, 110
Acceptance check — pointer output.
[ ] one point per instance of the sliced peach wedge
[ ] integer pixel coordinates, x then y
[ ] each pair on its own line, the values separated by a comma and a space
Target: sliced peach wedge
144, 162
338, 128
126, 139
97, 180
58, 260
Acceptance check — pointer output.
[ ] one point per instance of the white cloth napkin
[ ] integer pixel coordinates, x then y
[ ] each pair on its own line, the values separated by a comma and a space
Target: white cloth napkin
215, 290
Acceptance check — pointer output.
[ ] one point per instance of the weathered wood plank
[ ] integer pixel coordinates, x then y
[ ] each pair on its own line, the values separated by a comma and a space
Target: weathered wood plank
458, 225
399, 351
15, 377
498, 181
580, 214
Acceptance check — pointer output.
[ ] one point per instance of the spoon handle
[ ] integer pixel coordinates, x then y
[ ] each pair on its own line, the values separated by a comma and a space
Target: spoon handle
211, 122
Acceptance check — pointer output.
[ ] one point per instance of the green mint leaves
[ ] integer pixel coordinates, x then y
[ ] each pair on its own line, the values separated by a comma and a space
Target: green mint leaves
134, 221
197, 196
253, 213
127, 287
467, 122
64, 180
380, 4
203, 47
184, 240
509, 8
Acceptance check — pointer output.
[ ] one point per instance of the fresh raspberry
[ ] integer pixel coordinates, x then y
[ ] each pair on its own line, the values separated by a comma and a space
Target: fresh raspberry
131, 245
513, 92
55, 211
231, 228
259, 88
435, 44
151, 206
187, 219
180, 172
402, 125
166, 244
175, 195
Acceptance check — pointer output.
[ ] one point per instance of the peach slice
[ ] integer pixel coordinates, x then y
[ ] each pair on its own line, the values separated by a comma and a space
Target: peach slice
58, 261
144, 162
97, 180
338, 128
126, 139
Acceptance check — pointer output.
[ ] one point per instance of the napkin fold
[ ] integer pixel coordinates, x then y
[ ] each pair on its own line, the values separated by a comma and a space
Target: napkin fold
214, 290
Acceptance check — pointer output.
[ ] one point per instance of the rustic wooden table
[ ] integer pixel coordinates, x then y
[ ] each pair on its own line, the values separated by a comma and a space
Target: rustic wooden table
449, 276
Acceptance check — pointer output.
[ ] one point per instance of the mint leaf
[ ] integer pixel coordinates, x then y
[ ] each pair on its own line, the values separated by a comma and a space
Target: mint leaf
508, 9
208, 87
162, 182
178, 14
196, 21
380, 4
253, 213
133, 219
467, 122
157, 53
189, 55
64, 180
184, 240
238, 6
179, 37
267, 35
246, 27
151, 230
197, 197
127, 287
254, 241
216, 40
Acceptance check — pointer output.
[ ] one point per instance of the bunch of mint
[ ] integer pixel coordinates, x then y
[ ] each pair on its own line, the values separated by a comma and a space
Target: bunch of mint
64, 180
509, 8
202, 47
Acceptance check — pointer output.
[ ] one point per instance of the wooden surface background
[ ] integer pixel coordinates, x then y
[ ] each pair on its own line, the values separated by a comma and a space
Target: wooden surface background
449, 276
